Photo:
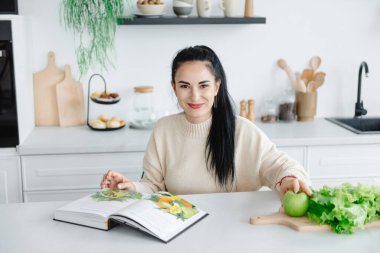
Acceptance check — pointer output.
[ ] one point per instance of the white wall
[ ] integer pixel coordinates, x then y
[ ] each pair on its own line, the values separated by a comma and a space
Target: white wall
342, 32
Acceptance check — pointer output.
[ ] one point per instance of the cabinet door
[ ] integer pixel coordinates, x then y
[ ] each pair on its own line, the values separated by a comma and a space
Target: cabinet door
296, 153
10, 180
75, 172
70, 195
333, 165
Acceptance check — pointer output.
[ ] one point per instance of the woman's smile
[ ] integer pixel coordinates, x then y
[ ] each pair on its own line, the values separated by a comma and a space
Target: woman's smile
195, 106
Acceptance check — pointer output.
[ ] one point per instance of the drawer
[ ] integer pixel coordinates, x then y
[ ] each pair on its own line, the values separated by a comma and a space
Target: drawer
344, 162
44, 196
296, 153
82, 171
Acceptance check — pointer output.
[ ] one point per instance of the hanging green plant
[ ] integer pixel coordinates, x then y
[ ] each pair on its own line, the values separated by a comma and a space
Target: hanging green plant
94, 22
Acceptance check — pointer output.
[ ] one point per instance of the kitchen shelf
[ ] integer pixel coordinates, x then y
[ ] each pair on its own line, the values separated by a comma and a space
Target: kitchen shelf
174, 20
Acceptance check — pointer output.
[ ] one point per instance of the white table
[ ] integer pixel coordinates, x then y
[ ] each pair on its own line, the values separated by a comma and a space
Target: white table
28, 228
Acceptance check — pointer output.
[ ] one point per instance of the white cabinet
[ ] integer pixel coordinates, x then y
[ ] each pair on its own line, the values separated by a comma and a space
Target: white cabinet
296, 153
69, 176
333, 165
10, 179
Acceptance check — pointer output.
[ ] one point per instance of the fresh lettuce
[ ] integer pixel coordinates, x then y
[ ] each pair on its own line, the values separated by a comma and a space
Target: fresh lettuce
345, 208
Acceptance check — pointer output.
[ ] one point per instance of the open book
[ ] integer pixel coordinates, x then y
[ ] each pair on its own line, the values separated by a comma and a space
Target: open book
162, 214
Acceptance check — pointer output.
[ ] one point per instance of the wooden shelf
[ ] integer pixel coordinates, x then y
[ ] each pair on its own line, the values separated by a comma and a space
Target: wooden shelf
174, 20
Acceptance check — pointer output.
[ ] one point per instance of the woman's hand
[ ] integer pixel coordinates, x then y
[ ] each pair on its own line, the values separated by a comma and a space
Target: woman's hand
294, 184
116, 181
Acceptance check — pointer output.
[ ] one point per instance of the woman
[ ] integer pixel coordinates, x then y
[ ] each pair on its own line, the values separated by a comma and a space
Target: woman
207, 148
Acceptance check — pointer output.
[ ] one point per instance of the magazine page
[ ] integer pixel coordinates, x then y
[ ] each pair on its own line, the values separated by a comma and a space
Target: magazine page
164, 214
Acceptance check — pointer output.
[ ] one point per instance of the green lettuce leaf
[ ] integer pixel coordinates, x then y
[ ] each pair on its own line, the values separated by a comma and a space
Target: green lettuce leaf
345, 208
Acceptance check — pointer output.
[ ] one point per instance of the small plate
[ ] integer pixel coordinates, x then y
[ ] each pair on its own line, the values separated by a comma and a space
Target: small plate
105, 101
141, 15
105, 129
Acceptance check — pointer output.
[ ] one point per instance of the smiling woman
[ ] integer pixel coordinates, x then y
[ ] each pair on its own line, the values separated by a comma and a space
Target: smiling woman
195, 93
207, 148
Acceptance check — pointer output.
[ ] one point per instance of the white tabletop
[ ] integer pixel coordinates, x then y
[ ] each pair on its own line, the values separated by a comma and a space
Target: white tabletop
29, 228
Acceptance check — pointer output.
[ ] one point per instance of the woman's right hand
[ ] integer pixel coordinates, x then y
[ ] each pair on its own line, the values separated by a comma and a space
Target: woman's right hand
116, 181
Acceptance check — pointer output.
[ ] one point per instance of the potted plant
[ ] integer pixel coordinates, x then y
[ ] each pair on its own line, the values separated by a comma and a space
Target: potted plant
94, 24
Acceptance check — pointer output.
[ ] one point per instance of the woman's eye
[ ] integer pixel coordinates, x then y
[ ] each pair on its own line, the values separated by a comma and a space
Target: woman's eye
184, 86
203, 86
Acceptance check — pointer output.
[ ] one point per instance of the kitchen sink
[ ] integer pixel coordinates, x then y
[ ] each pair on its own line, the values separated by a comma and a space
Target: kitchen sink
358, 125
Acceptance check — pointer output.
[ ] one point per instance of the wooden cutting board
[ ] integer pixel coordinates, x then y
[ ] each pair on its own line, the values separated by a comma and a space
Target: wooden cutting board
70, 101
45, 96
302, 224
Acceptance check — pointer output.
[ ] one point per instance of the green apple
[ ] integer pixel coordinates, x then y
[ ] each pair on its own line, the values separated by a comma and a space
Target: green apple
295, 204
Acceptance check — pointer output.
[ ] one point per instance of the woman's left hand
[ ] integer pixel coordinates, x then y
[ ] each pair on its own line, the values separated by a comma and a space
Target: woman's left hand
294, 184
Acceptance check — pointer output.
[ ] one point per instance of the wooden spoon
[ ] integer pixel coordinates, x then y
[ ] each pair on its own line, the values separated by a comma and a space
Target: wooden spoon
301, 86
311, 86
283, 65
315, 62
307, 74
319, 79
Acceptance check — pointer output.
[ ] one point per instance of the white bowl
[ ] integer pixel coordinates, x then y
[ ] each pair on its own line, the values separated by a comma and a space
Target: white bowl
151, 9
178, 3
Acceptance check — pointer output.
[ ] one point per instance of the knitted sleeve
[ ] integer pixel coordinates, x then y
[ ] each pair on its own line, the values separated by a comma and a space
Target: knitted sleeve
275, 164
153, 179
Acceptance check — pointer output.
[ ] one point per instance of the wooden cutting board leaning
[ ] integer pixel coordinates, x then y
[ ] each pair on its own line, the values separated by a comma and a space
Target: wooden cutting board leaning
45, 97
301, 224
70, 101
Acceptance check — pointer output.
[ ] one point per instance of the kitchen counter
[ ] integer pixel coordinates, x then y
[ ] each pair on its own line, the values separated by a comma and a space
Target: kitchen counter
56, 140
30, 228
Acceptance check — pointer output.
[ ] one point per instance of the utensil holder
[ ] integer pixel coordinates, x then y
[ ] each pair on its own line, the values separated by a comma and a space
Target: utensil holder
306, 106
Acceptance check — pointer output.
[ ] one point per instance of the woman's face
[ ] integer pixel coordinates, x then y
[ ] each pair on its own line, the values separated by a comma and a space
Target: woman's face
195, 88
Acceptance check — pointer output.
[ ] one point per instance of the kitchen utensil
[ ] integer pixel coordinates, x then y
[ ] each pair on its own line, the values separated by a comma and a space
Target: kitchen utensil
283, 65
70, 101
243, 108
319, 78
301, 224
300, 84
306, 106
312, 86
251, 110
307, 74
45, 96
315, 62
248, 8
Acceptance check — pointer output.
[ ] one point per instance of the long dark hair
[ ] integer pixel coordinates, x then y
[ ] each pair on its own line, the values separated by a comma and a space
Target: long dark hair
220, 146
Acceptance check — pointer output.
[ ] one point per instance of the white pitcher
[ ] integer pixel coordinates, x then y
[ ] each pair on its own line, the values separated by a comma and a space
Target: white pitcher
204, 8
230, 8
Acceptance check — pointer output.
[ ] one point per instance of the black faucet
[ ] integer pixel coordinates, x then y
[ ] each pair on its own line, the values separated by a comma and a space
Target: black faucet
359, 109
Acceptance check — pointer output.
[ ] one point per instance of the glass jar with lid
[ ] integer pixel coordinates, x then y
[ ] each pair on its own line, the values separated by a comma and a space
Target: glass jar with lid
287, 107
269, 113
143, 114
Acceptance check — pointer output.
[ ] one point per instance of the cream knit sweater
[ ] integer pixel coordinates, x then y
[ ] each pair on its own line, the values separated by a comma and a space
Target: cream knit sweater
175, 159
